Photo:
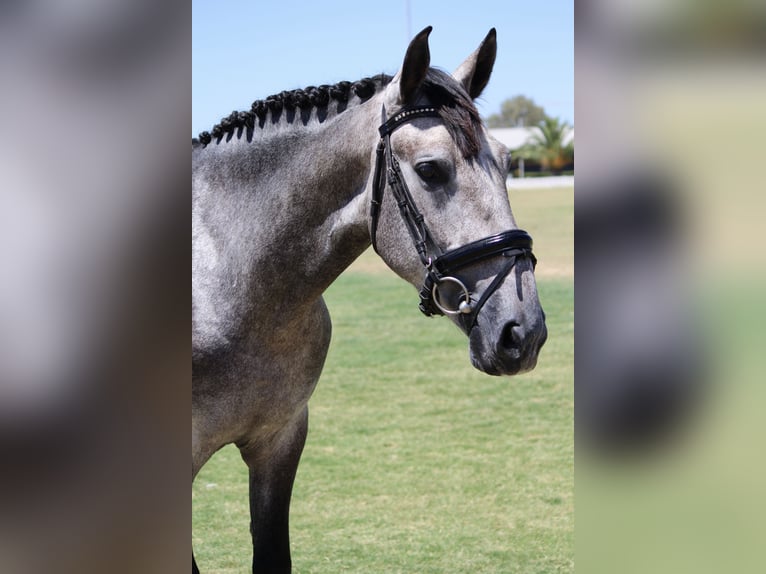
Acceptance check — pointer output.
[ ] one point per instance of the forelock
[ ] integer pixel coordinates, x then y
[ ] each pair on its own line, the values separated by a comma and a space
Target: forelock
456, 110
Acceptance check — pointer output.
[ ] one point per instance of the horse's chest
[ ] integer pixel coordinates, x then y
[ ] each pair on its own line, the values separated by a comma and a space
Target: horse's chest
266, 376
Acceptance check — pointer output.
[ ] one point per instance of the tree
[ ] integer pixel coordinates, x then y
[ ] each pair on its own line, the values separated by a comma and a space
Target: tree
547, 146
517, 111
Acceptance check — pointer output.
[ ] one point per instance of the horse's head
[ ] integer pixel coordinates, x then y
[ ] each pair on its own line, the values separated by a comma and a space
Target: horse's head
465, 253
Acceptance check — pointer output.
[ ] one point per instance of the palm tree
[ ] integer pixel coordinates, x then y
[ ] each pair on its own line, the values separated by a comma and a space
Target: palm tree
547, 145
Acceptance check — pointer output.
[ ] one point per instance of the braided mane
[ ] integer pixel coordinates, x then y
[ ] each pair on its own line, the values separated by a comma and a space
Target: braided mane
456, 108
304, 99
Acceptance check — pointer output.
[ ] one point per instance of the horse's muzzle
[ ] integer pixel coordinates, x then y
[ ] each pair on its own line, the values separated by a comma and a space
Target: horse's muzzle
509, 350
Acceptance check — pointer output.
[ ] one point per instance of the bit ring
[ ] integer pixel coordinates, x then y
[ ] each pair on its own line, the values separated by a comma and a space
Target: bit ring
464, 307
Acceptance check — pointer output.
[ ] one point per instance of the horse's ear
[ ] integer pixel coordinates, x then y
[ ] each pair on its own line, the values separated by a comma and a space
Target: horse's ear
474, 73
414, 68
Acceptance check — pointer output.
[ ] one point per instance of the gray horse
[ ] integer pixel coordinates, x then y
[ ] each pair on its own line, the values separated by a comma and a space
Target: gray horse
286, 196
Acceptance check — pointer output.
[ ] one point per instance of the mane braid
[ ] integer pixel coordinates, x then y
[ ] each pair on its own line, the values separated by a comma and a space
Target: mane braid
455, 106
305, 99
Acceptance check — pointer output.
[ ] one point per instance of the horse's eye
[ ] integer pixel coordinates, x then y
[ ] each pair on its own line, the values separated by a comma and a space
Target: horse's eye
429, 172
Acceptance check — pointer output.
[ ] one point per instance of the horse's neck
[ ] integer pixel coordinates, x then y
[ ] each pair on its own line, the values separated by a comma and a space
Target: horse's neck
276, 220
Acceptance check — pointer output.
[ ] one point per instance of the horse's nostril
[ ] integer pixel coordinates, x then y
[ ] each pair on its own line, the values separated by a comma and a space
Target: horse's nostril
511, 336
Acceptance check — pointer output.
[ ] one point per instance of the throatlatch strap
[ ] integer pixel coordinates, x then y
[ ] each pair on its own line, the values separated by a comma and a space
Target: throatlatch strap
378, 185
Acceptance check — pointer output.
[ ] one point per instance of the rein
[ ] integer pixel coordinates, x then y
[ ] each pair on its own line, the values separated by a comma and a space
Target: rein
440, 267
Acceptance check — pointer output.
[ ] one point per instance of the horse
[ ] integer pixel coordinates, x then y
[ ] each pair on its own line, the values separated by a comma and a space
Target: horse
287, 195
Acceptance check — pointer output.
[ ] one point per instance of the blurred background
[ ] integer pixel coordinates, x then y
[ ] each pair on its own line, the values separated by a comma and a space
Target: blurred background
669, 283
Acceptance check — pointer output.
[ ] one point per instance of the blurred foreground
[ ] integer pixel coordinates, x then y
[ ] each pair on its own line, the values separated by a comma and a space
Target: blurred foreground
94, 296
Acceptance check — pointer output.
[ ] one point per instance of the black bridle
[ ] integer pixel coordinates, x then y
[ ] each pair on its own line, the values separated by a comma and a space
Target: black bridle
440, 267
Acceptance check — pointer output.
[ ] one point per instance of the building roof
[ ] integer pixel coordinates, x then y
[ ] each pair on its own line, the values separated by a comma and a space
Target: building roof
514, 138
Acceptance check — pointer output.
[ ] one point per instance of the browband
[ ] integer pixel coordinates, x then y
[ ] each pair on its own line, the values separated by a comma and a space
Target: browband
406, 115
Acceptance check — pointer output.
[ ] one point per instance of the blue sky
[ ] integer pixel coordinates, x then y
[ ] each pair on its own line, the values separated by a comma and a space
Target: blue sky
247, 50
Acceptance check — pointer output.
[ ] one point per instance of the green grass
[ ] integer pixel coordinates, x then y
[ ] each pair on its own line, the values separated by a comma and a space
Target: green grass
416, 462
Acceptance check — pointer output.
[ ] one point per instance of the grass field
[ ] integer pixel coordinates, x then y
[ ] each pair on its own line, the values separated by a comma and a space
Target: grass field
415, 462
